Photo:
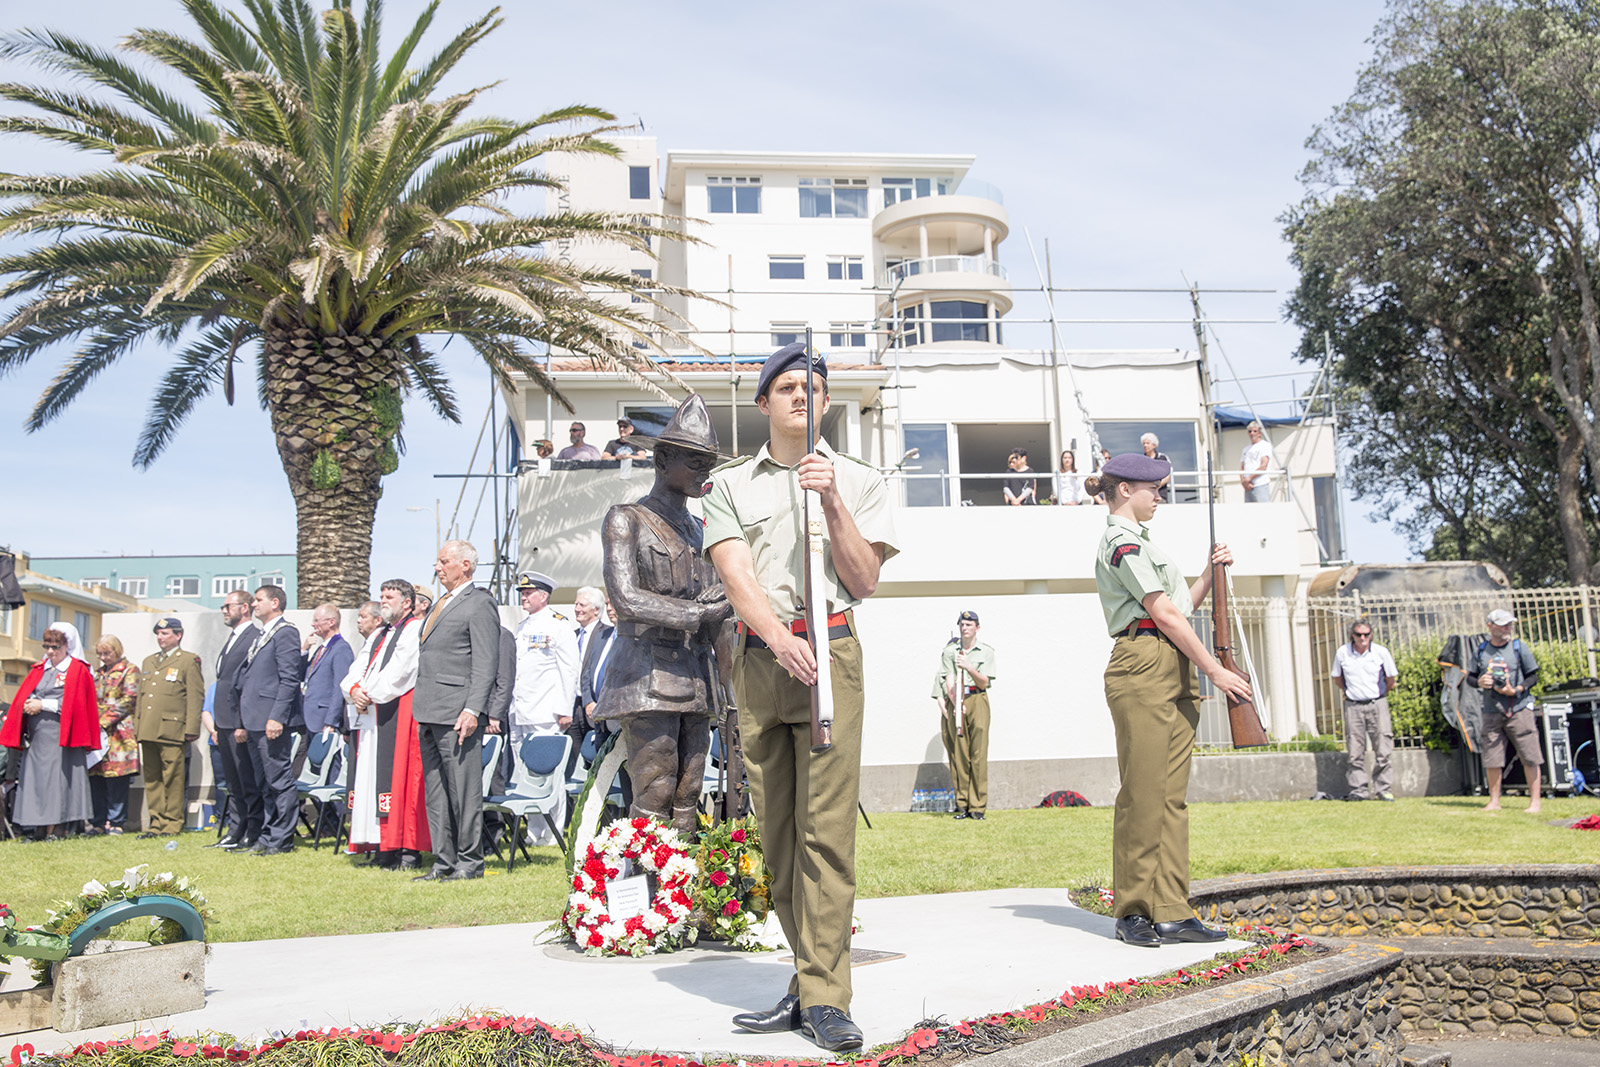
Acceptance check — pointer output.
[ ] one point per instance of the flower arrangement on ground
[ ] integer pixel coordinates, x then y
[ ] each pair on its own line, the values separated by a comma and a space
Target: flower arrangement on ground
67, 915
733, 891
666, 923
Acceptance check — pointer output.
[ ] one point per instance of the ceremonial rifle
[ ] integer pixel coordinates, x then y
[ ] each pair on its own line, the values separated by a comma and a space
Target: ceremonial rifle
1242, 717
958, 686
816, 591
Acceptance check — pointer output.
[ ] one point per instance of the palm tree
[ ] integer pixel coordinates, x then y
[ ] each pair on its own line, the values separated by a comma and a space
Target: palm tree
318, 206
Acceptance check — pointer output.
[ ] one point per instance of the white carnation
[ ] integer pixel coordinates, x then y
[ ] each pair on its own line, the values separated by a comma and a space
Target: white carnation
93, 888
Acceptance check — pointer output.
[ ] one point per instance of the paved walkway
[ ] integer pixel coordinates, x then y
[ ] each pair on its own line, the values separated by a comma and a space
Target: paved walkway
965, 955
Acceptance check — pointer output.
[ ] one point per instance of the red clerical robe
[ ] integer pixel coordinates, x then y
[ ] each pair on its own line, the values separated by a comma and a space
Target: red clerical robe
80, 712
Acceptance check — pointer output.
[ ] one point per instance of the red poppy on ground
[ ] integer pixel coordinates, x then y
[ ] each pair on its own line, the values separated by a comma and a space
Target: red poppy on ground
145, 1042
184, 1048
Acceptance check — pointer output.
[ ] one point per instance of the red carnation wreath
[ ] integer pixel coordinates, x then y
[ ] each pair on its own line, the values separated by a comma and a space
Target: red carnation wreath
665, 924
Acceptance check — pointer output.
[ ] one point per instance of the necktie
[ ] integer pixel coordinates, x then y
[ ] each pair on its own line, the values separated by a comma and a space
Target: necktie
317, 658
583, 631
433, 616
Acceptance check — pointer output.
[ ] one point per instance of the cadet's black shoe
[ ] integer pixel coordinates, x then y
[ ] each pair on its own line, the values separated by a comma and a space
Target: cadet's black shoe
1138, 930
431, 876
961, 813
974, 814
828, 1027
780, 1018
1190, 929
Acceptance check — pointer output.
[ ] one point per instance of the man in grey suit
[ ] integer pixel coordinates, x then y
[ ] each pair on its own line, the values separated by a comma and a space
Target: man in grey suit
233, 741
268, 682
458, 660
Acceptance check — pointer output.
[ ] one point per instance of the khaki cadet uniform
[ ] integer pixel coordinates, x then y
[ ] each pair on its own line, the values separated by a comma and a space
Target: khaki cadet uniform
969, 753
1152, 689
802, 801
172, 692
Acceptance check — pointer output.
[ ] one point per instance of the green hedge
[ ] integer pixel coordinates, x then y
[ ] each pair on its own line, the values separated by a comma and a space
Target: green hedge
1414, 702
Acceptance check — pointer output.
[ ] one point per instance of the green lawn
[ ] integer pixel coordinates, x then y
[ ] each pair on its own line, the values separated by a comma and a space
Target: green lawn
314, 893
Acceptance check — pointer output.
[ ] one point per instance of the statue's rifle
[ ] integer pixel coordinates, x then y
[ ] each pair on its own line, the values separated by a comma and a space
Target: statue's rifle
816, 591
1242, 717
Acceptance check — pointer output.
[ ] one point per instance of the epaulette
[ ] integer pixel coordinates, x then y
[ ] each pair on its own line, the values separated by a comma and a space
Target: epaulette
731, 463
856, 459
554, 614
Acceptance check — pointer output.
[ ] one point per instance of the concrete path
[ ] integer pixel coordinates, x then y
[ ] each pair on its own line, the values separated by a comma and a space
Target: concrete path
1513, 1052
965, 955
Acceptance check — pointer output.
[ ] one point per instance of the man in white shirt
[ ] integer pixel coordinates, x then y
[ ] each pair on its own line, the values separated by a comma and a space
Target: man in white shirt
1364, 671
547, 673
1254, 461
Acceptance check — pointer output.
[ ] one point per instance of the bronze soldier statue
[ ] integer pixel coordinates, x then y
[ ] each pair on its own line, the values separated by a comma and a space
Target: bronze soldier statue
670, 611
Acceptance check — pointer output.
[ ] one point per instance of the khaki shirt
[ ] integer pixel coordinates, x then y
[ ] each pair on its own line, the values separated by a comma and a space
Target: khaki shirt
757, 499
171, 693
981, 658
1128, 568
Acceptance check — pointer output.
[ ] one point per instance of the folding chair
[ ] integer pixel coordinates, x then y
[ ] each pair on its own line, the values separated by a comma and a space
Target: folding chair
492, 746
536, 785
314, 775
328, 793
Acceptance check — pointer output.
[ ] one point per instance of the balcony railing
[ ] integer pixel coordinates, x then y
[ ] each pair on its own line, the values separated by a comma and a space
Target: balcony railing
935, 264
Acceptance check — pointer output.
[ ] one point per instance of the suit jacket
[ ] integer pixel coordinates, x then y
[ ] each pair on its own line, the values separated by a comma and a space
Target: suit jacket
505, 680
269, 684
323, 703
459, 659
225, 705
592, 649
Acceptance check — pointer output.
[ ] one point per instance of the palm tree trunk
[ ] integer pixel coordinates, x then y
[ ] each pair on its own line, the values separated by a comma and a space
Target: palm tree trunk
321, 393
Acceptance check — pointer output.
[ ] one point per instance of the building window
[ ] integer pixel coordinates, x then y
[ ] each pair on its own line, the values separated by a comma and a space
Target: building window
228, 583
80, 620
639, 183
847, 334
94, 583
897, 189
41, 617
183, 587
844, 268
790, 267
13, 679
833, 198
135, 587
644, 275
971, 320
787, 333
5, 622
733, 196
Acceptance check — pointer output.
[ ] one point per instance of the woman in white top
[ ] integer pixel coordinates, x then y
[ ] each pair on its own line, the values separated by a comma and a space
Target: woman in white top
1069, 483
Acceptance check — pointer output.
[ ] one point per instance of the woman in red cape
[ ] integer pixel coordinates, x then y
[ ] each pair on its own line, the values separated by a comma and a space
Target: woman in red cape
55, 720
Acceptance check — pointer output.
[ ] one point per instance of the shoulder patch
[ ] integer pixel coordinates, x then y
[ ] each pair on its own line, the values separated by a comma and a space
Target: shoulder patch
856, 459
1123, 550
554, 614
731, 464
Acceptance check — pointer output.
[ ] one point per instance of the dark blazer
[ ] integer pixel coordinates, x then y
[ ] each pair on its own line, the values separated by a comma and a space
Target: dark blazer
505, 679
459, 659
269, 685
225, 707
591, 658
324, 702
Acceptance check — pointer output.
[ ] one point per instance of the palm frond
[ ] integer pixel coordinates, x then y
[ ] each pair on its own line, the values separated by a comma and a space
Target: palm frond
198, 370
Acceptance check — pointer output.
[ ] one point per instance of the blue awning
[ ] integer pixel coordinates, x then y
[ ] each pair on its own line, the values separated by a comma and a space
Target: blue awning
1229, 418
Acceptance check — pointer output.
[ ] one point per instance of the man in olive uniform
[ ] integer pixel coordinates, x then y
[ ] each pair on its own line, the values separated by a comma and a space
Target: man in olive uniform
172, 692
966, 670
1151, 690
670, 613
805, 802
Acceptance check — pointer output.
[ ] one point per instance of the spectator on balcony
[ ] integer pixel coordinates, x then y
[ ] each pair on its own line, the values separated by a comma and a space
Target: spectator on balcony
620, 447
1021, 490
544, 448
1254, 462
578, 449
1364, 671
1151, 443
1069, 483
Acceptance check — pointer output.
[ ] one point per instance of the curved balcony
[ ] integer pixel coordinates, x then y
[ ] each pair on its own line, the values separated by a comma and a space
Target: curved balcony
949, 277
902, 273
970, 221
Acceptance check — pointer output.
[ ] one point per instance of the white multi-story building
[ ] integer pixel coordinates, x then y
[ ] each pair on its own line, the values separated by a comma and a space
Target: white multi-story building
896, 263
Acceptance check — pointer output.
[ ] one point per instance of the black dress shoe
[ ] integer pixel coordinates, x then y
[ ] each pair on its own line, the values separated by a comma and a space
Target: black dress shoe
1138, 930
460, 876
1190, 929
408, 862
974, 814
961, 813
431, 876
258, 848
780, 1018
148, 834
271, 850
828, 1027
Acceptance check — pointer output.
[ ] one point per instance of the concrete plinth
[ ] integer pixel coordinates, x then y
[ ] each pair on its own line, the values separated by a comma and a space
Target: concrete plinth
107, 988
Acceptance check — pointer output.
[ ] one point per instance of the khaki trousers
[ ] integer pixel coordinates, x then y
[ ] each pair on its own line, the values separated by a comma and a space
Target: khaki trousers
164, 787
806, 808
1150, 687
969, 753
1368, 720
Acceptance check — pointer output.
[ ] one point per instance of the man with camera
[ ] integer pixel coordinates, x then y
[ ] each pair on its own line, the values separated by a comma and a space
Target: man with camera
1505, 669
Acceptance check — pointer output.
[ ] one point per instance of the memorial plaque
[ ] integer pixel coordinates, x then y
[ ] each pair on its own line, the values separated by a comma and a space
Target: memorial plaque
861, 957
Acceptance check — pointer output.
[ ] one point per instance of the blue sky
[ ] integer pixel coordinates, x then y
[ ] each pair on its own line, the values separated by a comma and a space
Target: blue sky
1145, 142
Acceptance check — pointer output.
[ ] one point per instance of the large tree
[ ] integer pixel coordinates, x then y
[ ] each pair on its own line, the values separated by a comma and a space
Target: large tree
313, 204
1449, 243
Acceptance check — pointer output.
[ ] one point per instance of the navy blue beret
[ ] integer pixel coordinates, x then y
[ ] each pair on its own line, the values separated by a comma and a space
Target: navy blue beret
1136, 467
168, 622
788, 358
967, 616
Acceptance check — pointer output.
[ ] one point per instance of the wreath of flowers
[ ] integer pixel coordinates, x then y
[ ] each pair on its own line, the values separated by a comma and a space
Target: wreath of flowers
67, 915
665, 925
733, 890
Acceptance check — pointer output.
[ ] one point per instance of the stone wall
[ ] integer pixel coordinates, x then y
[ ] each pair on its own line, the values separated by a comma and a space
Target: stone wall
1450, 986
1554, 901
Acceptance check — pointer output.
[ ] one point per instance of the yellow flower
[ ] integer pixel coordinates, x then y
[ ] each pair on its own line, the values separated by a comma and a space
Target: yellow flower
746, 864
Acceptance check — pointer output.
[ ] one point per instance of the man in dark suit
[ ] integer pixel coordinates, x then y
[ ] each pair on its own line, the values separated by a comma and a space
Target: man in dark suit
233, 741
321, 701
594, 629
595, 649
499, 722
458, 661
268, 682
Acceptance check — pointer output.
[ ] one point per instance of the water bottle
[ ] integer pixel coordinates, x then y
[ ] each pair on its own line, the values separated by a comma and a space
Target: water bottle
919, 800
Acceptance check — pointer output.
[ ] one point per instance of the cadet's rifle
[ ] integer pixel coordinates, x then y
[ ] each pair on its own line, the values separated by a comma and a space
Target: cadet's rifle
1242, 717
816, 591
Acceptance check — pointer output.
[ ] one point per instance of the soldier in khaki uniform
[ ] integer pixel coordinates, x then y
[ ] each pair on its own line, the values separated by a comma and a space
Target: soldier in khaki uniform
969, 664
1151, 690
805, 803
171, 693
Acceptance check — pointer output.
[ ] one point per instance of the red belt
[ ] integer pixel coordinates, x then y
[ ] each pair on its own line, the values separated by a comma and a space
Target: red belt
971, 690
1143, 626
838, 626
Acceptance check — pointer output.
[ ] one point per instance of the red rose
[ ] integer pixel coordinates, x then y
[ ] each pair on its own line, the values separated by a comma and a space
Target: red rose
720, 856
731, 908
595, 940
662, 855
738, 836
719, 878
